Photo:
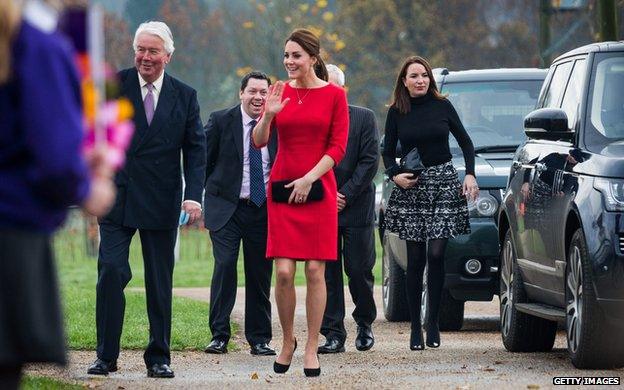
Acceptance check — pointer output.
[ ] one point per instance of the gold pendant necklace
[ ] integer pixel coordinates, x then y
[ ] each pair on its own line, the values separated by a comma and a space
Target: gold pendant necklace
300, 99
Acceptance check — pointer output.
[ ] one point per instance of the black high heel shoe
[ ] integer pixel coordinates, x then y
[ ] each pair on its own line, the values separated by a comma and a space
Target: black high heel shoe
416, 341
433, 337
280, 368
313, 371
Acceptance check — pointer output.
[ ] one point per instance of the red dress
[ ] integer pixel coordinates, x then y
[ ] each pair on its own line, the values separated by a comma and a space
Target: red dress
306, 132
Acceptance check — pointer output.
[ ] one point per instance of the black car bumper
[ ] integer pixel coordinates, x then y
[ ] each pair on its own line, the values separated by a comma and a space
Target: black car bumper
482, 245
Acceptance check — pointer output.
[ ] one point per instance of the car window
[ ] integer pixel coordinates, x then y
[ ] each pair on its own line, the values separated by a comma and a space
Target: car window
605, 122
572, 96
493, 111
557, 85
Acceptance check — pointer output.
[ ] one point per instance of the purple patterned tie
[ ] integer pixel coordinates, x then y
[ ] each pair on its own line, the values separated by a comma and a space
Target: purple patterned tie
148, 103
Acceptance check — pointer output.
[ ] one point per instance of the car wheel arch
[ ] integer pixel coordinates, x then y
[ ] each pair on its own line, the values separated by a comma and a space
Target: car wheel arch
573, 222
503, 225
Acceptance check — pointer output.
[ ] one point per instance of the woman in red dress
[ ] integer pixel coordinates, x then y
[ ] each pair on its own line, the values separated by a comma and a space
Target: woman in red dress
312, 121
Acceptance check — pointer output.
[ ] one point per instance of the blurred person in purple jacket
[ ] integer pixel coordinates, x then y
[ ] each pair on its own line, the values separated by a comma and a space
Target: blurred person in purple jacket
42, 172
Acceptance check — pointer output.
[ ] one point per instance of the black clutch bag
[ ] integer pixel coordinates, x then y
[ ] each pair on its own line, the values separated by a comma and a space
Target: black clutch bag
411, 163
280, 194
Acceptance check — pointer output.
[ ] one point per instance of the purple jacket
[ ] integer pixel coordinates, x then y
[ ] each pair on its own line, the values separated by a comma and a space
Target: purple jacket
42, 171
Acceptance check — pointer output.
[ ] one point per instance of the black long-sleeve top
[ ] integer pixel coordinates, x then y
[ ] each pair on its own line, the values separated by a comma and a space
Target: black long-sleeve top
426, 127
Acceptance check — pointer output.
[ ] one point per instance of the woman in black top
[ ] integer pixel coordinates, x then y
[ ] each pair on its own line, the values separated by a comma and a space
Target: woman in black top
429, 209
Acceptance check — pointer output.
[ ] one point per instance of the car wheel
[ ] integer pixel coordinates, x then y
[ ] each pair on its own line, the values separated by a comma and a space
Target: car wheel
393, 286
521, 332
586, 330
451, 316
451, 312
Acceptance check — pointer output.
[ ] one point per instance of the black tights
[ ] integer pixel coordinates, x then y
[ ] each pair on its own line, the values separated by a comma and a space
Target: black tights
419, 254
10, 377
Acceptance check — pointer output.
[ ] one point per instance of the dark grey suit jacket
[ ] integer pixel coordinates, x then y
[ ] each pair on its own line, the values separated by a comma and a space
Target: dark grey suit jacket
149, 187
357, 169
224, 171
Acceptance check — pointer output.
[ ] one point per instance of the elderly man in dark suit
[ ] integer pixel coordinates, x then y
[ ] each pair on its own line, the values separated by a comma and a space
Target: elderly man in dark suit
236, 177
149, 197
356, 240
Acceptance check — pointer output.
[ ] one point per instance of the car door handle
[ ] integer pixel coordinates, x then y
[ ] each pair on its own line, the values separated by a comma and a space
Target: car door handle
517, 165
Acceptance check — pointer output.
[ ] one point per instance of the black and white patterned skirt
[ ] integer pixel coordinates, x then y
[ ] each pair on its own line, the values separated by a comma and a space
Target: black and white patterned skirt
434, 208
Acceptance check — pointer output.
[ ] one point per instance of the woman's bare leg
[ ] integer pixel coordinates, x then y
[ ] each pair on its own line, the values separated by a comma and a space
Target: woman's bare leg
286, 299
316, 299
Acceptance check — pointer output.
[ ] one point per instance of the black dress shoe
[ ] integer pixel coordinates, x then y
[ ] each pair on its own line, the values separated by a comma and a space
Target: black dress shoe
433, 336
216, 347
160, 370
102, 367
331, 346
364, 339
262, 349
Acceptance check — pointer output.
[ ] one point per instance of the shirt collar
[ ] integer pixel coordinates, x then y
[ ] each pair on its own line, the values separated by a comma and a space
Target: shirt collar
246, 118
157, 84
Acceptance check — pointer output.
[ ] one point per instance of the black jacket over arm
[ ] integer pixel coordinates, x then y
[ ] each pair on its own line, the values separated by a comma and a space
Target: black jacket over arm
149, 187
356, 171
224, 171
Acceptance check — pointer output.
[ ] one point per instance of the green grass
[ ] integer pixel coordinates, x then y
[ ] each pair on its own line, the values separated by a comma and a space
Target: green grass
78, 276
41, 383
189, 325
193, 269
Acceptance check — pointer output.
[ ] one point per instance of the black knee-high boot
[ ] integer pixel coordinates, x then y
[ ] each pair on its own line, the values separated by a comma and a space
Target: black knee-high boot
416, 260
435, 284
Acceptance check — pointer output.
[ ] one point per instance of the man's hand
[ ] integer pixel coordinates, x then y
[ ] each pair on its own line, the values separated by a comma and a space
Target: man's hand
341, 200
101, 196
193, 210
103, 190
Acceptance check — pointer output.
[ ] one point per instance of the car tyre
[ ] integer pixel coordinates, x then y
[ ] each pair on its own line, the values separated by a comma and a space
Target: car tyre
393, 286
521, 332
451, 312
589, 337
451, 316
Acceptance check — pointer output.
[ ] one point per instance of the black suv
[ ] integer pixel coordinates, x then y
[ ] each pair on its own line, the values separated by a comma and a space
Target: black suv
562, 218
491, 104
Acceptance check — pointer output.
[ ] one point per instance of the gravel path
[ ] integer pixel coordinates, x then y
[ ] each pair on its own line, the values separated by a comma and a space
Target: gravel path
470, 359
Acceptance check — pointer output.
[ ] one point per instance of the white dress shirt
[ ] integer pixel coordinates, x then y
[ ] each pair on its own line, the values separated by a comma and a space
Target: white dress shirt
157, 87
244, 194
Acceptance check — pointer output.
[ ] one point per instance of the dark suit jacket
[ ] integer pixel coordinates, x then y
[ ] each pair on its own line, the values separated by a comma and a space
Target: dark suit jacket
357, 169
224, 171
149, 187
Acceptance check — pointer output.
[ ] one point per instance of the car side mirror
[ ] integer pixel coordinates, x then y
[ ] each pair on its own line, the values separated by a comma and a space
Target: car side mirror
548, 123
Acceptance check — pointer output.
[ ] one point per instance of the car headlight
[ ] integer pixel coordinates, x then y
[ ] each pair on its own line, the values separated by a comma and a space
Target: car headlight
485, 206
612, 193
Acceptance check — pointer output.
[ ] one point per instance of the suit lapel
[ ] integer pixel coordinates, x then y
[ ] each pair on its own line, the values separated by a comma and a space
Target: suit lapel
236, 126
166, 102
132, 90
